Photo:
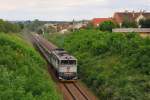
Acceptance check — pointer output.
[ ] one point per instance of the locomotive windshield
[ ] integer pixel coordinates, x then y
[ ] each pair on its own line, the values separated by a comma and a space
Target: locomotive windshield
72, 62
68, 62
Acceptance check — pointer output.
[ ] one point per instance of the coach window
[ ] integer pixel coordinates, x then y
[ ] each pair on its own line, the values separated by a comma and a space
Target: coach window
64, 62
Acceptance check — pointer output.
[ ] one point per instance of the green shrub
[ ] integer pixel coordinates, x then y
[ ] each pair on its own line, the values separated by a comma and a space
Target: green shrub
107, 26
8, 27
23, 75
115, 66
145, 23
129, 24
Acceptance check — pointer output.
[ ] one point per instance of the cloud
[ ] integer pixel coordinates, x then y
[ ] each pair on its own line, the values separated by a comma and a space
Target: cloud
46, 3
66, 9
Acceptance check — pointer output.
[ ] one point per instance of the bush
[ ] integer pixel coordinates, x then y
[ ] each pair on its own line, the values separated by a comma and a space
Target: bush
23, 72
107, 26
145, 23
115, 66
129, 24
8, 27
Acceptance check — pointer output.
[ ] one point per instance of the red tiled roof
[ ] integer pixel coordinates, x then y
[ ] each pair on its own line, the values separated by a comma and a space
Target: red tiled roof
97, 21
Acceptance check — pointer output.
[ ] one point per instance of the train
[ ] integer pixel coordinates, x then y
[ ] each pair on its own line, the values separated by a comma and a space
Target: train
64, 64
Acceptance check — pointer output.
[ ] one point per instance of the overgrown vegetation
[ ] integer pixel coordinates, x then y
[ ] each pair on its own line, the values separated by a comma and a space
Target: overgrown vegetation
34, 26
107, 26
8, 27
145, 23
115, 66
23, 73
129, 24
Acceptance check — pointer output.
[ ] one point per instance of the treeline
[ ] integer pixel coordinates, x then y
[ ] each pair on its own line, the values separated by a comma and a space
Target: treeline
115, 66
109, 25
35, 26
23, 73
8, 27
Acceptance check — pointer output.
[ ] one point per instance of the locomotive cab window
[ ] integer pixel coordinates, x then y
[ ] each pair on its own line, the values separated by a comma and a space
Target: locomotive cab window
64, 62
68, 62
72, 62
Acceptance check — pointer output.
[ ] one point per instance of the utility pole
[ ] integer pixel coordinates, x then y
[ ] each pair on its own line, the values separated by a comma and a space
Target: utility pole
73, 25
43, 32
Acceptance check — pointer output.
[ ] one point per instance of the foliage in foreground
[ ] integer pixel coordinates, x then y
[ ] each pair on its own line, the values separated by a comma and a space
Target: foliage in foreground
115, 66
22, 72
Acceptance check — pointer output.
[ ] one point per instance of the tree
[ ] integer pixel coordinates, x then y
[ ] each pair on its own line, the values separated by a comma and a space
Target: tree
145, 23
21, 25
129, 24
7, 27
107, 26
2, 27
116, 66
34, 25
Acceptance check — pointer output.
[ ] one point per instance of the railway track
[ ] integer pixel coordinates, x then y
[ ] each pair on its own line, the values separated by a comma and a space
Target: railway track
75, 91
72, 90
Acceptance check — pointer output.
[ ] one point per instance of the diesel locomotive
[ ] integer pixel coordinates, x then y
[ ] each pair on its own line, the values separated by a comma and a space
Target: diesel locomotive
64, 64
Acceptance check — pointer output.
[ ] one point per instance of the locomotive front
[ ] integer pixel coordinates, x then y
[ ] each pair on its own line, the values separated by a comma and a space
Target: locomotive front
68, 70
67, 66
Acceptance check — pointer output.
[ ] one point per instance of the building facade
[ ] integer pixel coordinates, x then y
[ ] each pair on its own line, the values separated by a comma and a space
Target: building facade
120, 17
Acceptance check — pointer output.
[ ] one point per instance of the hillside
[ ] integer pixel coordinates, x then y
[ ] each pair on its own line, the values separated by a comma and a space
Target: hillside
115, 66
23, 73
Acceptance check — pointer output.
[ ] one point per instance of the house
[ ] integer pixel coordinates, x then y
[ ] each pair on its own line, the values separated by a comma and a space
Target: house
62, 26
97, 21
79, 25
120, 17
63, 31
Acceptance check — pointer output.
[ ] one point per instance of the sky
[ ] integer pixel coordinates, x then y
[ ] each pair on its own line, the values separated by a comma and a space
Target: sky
66, 10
